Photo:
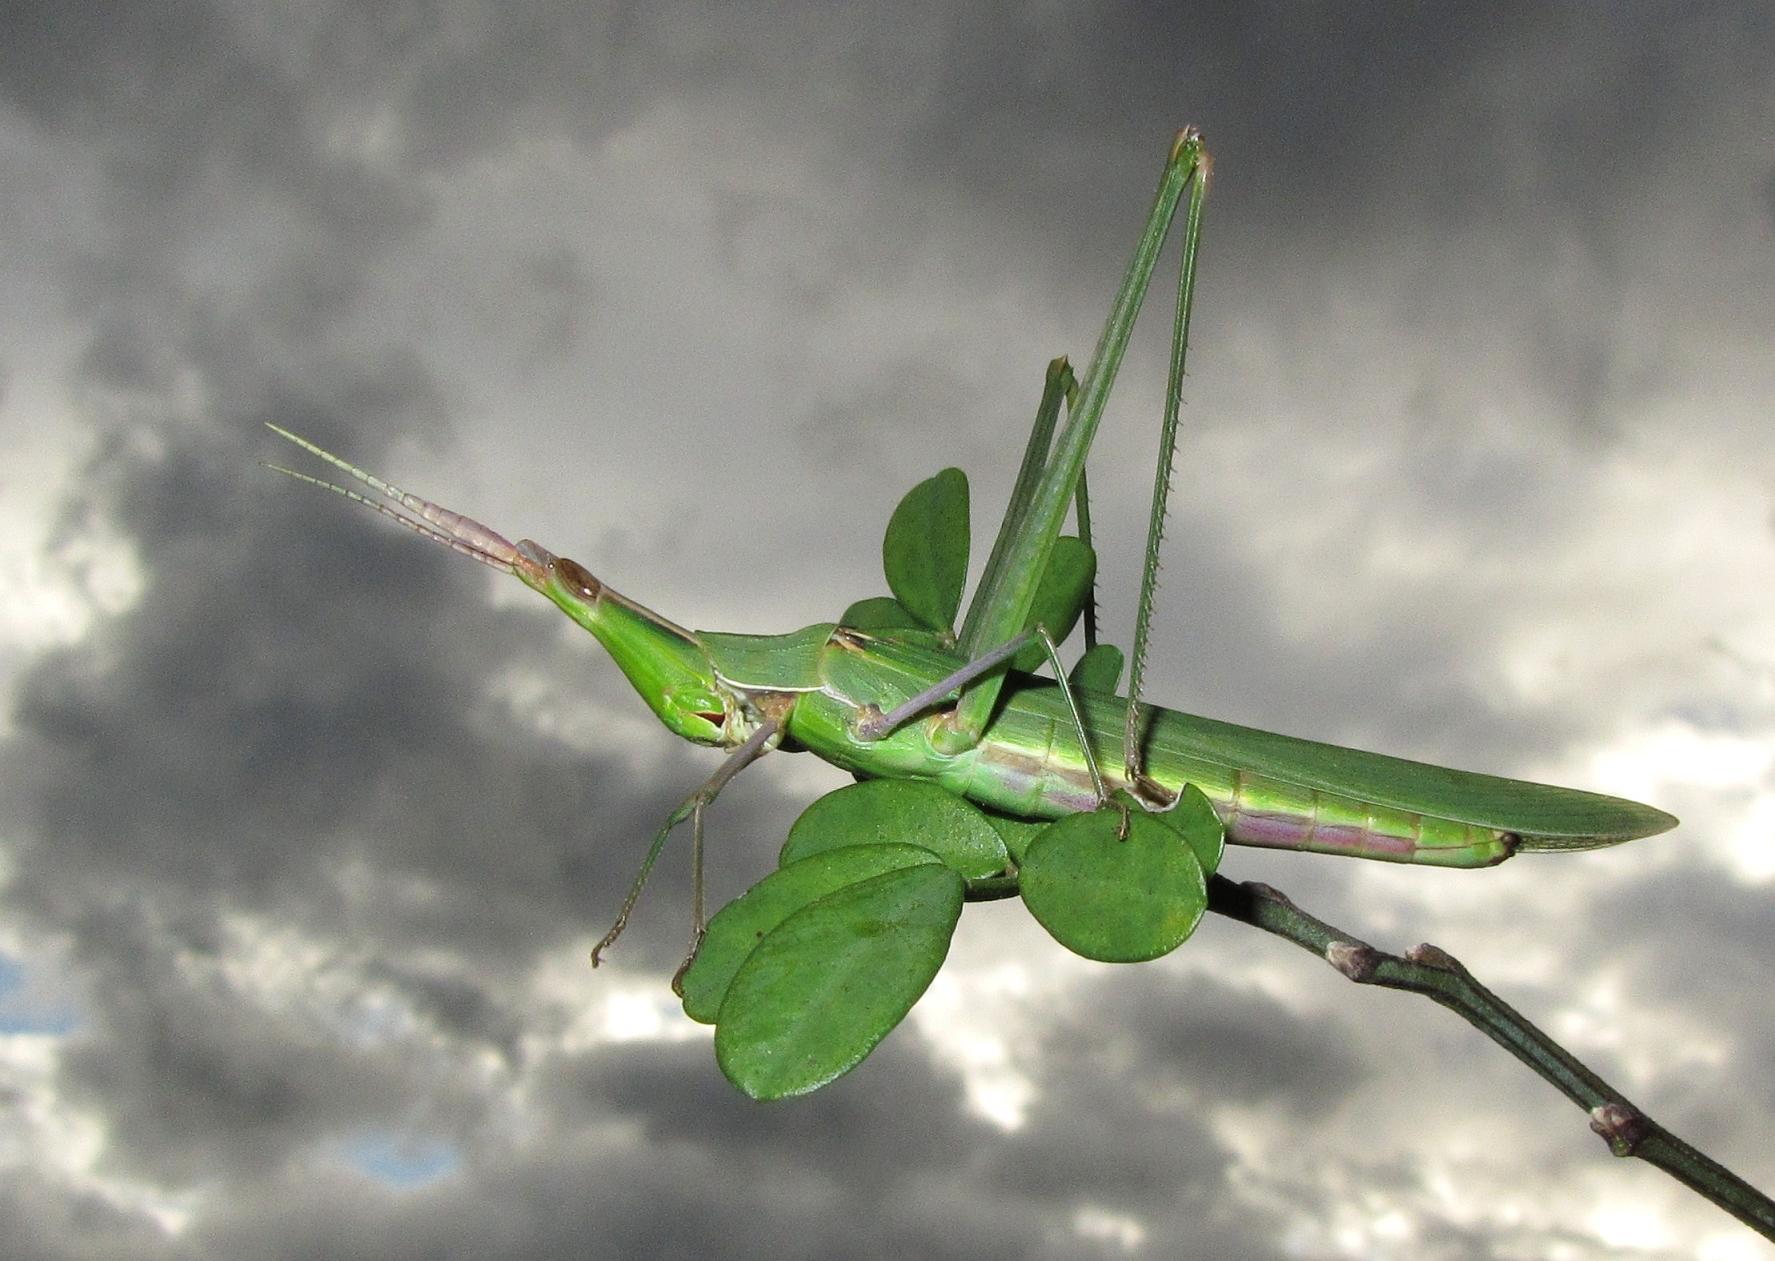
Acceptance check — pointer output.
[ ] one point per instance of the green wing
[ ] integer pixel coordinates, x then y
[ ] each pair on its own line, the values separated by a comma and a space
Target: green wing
1546, 817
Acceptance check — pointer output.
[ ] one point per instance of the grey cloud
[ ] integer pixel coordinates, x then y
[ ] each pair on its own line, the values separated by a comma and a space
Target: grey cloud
50, 1222
1211, 1038
1698, 938
292, 728
192, 1079
861, 422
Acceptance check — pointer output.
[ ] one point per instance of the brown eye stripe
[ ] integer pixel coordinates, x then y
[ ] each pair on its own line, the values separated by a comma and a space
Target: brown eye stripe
578, 577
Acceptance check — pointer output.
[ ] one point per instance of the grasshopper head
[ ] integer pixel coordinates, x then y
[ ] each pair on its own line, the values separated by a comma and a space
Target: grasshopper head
662, 660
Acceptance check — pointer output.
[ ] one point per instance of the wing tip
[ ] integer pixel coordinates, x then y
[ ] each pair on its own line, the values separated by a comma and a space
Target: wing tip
1633, 821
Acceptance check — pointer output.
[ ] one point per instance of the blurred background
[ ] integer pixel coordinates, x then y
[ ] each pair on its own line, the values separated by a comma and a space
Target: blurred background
306, 827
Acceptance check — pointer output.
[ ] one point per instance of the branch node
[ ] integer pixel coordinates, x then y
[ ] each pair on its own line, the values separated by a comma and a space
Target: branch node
1439, 976
1355, 959
1622, 1126
1434, 957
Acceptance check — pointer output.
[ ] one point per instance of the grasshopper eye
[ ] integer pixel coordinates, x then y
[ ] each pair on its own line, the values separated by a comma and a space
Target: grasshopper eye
578, 577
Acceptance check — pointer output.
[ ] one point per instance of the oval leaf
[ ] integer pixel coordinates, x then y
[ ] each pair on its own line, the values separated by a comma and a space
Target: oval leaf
925, 552
878, 612
1098, 670
1194, 819
1059, 598
886, 617
739, 926
1110, 899
829, 982
899, 811
1016, 833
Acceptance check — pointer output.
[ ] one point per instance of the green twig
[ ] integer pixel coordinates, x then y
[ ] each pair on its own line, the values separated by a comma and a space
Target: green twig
1432, 972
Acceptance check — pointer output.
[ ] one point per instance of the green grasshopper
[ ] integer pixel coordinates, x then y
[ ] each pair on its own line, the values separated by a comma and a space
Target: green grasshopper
978, 779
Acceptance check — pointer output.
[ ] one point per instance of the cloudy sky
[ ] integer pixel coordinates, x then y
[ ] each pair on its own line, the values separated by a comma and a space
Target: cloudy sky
306, 828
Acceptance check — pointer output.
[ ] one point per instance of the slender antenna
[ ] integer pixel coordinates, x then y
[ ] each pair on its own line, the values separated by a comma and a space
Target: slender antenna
1155, 534
463, 535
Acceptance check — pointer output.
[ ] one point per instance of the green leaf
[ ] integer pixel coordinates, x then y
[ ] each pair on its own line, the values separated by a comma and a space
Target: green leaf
904, 811
878, 612
739, 926
925, 552
1098, 670
886, 617
1015, 833
1194, 819
1059, 597
829, 982
1112, 899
